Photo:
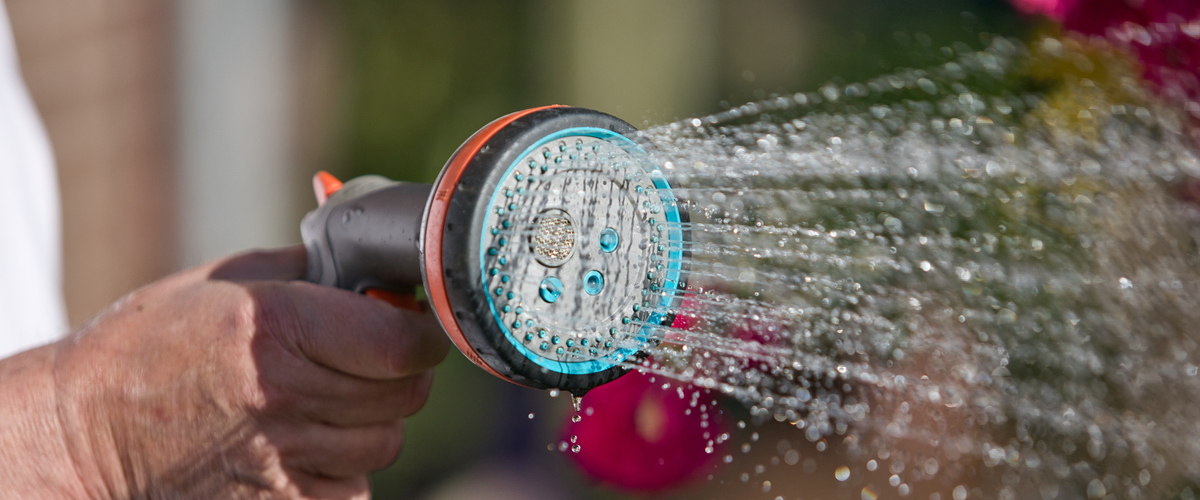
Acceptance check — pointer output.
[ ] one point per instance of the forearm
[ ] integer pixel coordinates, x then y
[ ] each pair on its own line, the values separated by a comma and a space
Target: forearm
34, 458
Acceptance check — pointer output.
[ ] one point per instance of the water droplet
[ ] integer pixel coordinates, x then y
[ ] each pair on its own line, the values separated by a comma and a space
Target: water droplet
927, 85
842, 473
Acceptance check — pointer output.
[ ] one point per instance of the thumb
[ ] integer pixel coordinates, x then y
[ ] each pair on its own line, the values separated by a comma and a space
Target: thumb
281, 264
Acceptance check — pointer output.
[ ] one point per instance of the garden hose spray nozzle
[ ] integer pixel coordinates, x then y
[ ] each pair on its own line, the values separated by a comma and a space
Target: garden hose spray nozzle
551, 247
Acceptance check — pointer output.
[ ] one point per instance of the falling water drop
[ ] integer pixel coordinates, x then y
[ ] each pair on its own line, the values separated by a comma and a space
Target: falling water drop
842, 473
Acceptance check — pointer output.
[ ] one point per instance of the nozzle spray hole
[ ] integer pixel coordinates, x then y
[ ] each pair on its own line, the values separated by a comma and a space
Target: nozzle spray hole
551, 289
609, 239
593, 282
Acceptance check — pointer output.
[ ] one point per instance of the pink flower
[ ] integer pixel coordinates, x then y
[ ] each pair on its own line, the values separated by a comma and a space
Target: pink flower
688, 318
1095, 17
1054, 9
1164, 34
759, 338
762, 331
637, 436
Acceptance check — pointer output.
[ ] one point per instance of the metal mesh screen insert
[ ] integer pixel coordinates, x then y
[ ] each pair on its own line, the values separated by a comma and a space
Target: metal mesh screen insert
554, 239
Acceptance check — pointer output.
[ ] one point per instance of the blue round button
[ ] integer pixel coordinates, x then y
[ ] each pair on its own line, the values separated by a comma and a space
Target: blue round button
551, 289
609, 239
593, 282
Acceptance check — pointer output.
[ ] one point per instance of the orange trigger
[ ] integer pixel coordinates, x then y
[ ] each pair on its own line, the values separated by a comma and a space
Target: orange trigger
324, 185
400, 300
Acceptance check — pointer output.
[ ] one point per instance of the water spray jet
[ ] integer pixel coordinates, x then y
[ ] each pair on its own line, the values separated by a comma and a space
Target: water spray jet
953, 266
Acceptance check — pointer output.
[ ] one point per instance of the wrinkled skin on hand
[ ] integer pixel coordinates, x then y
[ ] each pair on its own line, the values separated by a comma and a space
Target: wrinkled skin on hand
230, 380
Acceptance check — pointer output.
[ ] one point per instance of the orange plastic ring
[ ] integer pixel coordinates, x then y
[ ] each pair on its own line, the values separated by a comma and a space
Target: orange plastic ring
435, 220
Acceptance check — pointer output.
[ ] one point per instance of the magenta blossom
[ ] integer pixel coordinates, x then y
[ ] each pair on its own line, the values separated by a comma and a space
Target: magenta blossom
1054, 9
637, 436
1164, 34
689, 318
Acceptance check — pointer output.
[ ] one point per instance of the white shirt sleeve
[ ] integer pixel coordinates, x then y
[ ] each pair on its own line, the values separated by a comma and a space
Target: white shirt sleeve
31, 304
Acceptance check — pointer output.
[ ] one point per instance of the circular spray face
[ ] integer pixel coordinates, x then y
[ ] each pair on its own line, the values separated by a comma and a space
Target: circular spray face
554, 248
582, 251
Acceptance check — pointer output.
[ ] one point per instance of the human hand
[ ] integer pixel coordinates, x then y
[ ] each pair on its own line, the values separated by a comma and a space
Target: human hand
227, 381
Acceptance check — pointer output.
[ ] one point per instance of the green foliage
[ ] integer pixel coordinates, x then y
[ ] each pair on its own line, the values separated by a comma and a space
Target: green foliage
423, 76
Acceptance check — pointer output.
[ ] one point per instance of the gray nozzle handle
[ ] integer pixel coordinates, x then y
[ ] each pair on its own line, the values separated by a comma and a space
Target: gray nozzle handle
367, 235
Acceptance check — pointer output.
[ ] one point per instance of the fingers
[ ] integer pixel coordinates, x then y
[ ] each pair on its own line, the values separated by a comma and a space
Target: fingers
283, 264
339, 453
351, 333
344, 402
323, 488
335, 328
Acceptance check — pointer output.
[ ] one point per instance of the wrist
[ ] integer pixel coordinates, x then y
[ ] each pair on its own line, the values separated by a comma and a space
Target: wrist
33, 444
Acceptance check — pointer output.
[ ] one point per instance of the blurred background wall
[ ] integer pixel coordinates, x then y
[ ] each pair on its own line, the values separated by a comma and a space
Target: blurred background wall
188, 129
236, 78
103, 76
